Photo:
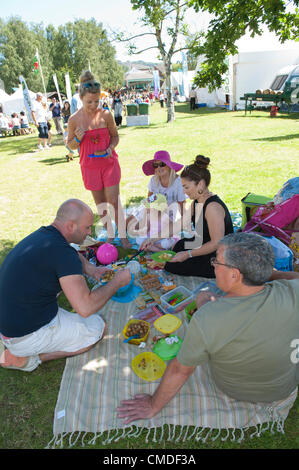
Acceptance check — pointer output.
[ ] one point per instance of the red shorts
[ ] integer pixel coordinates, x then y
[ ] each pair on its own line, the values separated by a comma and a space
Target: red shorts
107, 174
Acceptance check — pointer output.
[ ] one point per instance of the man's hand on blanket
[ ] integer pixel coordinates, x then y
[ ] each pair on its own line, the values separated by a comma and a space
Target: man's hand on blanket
140, 407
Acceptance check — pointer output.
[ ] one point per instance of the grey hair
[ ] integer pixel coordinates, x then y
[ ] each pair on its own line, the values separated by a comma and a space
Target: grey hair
251, 254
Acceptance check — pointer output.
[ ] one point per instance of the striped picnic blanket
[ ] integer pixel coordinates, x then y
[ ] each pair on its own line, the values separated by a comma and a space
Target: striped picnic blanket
94, 383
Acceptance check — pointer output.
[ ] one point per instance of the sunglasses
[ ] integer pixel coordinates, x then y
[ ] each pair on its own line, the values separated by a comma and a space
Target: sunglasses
91, 85
157, 165
214, 262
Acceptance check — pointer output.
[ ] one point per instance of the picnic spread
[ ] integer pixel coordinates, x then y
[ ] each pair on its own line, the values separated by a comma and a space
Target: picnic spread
146, 324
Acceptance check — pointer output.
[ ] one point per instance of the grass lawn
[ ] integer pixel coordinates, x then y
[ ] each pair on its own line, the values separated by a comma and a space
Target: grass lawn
253, 153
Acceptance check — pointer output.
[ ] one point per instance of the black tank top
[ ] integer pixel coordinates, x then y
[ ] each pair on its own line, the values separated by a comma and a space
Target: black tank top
228, 225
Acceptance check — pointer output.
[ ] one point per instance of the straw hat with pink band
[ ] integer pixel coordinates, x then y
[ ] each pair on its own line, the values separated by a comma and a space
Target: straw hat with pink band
162, 156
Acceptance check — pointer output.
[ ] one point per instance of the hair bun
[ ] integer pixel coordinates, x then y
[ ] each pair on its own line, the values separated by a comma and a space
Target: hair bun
86, 77
201, 161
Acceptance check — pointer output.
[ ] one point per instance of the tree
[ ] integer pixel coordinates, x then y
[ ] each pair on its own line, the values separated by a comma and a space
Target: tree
18, 44
231, 20
70, 49
164, 20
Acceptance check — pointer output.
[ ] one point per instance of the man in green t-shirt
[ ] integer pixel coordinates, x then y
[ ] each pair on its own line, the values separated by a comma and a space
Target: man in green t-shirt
249, 336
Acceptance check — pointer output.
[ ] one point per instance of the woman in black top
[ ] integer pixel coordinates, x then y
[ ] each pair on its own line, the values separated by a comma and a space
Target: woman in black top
211, 220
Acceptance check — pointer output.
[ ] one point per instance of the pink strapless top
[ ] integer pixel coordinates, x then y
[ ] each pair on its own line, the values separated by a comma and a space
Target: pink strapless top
93, 140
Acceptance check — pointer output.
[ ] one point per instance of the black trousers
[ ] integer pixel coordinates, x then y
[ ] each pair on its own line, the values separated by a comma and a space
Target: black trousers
118, 120
192, 103
199, 266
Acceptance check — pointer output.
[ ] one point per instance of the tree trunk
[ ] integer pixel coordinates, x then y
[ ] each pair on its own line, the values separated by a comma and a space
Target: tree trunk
170, 101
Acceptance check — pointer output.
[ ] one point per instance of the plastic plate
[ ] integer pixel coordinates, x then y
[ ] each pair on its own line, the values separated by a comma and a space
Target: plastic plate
157, 256
148, 366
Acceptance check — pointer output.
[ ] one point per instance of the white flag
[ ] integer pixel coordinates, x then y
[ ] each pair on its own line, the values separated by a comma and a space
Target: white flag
57, 88
68, 87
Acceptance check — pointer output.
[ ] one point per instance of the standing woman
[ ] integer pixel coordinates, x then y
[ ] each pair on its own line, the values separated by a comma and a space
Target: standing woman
92, 130
214, 223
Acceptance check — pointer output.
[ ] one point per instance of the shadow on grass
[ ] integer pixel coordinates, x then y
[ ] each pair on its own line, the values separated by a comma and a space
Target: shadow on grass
198, 111
19, 145
56, 160
278, 138
292, 117
5, 247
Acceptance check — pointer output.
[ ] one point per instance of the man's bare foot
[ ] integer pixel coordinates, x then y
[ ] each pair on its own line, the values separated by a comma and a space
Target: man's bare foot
7, 359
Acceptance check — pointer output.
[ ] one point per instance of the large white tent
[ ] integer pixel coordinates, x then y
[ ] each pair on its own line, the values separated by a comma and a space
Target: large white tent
3, 96
15, 102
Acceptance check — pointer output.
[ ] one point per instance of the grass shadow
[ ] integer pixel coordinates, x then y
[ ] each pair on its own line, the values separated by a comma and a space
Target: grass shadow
20, 145
278, 138
198, 111
56, 160
292, 117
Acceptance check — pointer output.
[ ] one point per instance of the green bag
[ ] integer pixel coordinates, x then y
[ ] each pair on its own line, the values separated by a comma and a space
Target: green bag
250, 203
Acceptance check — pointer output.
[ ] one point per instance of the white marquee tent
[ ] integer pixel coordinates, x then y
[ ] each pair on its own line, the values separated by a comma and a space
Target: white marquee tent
15, 102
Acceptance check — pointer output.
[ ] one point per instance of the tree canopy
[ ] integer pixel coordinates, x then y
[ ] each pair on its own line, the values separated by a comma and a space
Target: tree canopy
232, 19
70, 48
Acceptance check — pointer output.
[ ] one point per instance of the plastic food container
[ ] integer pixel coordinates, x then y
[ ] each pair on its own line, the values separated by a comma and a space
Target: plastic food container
149, 314
136, 340
148, 366
122, 291
166, 349
167, 323
176, 300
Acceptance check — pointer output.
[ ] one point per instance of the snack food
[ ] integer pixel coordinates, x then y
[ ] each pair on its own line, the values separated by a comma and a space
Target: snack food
150, 281
138, 328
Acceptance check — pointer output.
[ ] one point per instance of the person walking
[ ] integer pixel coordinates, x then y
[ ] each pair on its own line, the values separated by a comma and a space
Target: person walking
56, 114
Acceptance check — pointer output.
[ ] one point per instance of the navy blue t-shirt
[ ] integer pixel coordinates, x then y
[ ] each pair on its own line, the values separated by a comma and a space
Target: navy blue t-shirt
29, 280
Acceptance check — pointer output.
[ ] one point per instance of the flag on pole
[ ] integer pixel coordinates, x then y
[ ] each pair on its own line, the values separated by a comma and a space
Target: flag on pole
35, 63
57, 88
27, 99
68, 87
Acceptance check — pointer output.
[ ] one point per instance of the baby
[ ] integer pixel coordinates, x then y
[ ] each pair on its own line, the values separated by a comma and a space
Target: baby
151, 225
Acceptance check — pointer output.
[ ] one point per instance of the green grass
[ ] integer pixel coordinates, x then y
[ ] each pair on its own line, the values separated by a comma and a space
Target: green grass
253, 153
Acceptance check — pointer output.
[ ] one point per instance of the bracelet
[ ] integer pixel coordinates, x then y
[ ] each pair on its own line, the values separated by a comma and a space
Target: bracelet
77, 140
190, 253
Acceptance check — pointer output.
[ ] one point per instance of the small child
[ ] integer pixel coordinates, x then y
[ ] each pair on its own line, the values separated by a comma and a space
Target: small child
71, 153
152, 222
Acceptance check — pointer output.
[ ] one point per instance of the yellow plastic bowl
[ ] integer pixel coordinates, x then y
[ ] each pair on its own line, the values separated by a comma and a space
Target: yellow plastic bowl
136, 340
148, 366
167, 323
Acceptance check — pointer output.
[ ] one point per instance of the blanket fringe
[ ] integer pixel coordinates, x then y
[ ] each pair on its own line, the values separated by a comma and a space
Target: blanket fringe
184, 433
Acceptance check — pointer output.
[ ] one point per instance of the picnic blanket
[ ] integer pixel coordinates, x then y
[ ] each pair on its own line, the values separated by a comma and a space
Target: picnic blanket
94, 383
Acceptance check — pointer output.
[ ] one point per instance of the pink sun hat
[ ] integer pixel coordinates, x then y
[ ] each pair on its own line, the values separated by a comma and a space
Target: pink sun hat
162, 156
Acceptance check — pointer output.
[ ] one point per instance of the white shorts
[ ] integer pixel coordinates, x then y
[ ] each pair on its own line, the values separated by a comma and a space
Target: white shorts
67, 332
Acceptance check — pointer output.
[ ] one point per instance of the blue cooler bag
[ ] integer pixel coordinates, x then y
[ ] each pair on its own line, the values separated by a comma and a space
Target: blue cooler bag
283, 254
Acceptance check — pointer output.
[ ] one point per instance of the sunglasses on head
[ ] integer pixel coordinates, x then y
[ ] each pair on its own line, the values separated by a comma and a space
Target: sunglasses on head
157, 165
91, 85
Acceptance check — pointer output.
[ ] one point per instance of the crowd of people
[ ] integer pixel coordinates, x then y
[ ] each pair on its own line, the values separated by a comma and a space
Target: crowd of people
15, 124
244, 335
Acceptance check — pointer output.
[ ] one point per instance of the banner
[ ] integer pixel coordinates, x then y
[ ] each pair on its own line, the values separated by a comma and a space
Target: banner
156, 78
27, 99
57, 88
68, 87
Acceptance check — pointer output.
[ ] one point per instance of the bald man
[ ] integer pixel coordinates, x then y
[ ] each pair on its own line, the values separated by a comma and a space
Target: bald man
33, 327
